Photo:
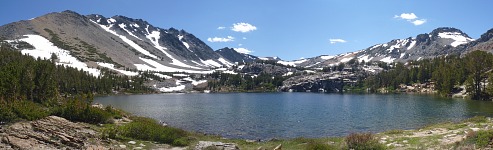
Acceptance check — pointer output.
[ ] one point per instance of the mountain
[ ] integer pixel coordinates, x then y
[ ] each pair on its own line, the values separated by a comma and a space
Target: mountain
234, 56
128, 45
484, 43
118, 43
439, 42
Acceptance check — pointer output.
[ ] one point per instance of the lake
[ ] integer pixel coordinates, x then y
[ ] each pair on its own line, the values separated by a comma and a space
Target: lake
289, 115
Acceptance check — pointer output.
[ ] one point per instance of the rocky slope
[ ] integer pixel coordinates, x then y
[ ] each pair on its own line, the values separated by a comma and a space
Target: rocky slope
236, 57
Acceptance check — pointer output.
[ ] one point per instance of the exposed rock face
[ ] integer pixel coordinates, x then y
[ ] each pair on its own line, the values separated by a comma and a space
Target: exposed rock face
257, 68
48, 133
233, 56
320, 82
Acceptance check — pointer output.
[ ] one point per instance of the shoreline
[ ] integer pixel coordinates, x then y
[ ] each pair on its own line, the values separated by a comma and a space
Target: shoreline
437, 135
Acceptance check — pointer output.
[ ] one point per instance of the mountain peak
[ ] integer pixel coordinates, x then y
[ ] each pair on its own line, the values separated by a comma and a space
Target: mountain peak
448, 30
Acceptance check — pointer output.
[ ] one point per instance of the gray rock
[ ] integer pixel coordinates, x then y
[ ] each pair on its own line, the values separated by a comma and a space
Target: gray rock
219, 145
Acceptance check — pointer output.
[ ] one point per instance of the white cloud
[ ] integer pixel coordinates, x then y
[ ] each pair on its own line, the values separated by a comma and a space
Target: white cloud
221, 28
334, 41
407, 16
243, 50
220, 39
240, 44
419, 22
412, 18
244, 38
243, 27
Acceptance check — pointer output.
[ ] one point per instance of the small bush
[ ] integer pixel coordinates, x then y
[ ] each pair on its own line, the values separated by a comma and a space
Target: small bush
363, 141
483, 138
319, 146
149, 129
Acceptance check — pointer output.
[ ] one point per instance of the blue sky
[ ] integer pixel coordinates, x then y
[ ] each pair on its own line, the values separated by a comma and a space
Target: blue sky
290, 29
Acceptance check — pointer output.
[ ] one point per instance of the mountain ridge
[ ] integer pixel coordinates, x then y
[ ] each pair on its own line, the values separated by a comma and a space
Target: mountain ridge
135, 44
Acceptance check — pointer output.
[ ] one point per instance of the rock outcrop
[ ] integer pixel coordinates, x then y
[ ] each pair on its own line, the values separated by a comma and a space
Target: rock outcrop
215, 145
49, 133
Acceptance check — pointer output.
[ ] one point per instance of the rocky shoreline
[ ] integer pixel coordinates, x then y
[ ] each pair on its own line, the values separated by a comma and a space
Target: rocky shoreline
58, 133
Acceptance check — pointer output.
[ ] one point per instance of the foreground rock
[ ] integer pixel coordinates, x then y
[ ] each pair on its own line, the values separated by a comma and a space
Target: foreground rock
48, 133
215, 145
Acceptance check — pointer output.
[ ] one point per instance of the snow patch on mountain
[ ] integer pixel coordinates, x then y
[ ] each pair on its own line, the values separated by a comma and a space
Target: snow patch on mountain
326, 57
123, 26
180, 37
44, 48
211, 63
161, 68
292, 63
154, 37
126, 40
112, 67
225, 62
163, 76
413, 42
388, 59
456, 36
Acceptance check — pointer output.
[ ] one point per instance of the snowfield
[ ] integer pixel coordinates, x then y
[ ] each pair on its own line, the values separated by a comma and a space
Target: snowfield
292, 63
456, 36
44, 48
126, 40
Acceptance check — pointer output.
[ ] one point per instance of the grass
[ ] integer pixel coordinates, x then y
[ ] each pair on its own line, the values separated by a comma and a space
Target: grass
147, 129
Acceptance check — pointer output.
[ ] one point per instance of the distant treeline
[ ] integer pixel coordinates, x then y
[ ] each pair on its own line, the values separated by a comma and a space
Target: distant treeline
244, 83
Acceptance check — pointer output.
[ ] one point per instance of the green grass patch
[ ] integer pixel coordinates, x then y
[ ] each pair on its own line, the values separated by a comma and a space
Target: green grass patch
477, 119
394, 131
149, 130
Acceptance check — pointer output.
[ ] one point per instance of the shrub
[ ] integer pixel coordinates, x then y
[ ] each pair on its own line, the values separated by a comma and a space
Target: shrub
477, 119
6, 113
363, 141
149, 129
78, 110
21, 109
483, 138
29, 110
319, 146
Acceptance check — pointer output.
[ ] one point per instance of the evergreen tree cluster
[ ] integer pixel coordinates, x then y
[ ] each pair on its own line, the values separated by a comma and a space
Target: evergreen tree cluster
447, 73
238, 82
34, 88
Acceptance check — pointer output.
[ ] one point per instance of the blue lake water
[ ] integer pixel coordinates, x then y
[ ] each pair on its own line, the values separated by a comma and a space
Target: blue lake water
290, 115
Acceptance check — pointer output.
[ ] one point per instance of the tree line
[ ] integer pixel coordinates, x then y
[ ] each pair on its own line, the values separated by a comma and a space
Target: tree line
242, 82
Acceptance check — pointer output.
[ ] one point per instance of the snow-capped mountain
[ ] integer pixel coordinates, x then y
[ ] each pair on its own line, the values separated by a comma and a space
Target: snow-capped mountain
122, 44
117, 43
439, 42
